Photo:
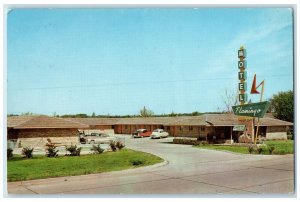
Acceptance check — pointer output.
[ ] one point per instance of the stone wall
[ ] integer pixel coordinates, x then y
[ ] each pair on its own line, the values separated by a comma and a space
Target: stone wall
37, 138
109, 131
40, 142
276, 136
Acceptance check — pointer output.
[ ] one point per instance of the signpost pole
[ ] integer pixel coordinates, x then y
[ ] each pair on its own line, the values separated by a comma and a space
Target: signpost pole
230, 135
261, 97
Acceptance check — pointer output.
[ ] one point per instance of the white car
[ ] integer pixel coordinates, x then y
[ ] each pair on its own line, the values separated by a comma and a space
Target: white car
96, 138
159, 133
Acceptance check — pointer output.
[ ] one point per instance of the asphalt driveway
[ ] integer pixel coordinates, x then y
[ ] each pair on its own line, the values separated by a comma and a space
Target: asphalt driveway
186, 171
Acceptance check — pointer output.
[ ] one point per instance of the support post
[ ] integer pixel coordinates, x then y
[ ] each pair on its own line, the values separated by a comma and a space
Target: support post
231, 135
261, 97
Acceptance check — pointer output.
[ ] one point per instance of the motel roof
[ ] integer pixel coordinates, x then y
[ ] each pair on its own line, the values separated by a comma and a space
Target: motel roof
203, 120
182, 120
231, 119
41, 121
95, 121
13, 121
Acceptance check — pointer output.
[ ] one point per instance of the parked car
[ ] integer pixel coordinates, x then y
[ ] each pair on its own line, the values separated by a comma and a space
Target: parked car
141, 133
99, 138
159, 133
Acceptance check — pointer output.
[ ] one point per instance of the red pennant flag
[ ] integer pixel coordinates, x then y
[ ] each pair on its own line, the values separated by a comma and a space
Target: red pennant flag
254, 88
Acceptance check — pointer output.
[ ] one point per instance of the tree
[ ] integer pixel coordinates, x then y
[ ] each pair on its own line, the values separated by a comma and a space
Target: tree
173, 114
195, 113
93, 114
282, 105
26, 114
146, 112
229, 100
54, 114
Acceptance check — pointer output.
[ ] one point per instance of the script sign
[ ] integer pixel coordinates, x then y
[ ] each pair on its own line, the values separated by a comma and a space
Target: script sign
254, 109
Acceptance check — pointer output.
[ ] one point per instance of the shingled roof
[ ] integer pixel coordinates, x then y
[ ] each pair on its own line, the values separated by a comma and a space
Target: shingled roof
95, 121
231, 119
180, 120
13, 121
145, 121
41, 121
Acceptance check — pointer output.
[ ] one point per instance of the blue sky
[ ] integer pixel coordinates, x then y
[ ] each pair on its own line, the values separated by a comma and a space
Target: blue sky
115, 61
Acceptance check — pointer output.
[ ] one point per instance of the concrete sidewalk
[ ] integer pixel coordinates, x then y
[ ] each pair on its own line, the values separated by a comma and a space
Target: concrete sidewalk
187, 170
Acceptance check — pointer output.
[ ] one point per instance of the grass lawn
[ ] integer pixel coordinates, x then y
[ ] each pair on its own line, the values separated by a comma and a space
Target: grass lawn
39, 167
281, 147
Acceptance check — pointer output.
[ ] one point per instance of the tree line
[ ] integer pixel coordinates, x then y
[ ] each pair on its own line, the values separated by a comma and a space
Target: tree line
281, 106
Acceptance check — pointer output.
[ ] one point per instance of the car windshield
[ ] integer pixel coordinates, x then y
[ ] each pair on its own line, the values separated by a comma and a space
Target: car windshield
156, 130
94, 134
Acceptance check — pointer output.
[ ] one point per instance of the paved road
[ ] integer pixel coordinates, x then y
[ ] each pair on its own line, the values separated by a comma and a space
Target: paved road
187, 170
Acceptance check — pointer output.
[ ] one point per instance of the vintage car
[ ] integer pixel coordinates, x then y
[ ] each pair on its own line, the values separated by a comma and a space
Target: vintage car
159, 133
98, 138
141, 133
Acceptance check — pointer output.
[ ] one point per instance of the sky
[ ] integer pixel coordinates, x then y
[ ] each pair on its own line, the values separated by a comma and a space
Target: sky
116, 61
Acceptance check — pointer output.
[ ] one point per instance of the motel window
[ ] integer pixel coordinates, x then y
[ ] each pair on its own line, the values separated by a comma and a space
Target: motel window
125, 126
190, 128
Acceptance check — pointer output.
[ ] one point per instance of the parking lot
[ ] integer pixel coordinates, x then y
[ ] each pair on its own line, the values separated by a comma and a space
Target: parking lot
186, 170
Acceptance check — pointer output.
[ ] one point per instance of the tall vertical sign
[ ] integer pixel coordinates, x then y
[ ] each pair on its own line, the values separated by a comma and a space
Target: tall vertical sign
242, 86
248, 110
242, 75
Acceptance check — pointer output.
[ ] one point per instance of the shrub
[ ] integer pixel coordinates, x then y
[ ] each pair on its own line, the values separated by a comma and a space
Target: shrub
187, 141
271, 149
251, 149
120, 145
97, 149
137, 162
27, 152
82, 140
74, 151
290, 137
113, 146
260, 150
51, 150
9, 153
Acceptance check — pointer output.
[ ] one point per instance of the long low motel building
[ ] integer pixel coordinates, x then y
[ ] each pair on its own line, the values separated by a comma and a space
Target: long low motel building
206, 126
35, 130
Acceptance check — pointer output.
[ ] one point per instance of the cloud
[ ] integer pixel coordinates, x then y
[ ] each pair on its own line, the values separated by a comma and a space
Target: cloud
254, 36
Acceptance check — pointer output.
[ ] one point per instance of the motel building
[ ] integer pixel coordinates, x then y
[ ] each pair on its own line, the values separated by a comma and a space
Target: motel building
215, 128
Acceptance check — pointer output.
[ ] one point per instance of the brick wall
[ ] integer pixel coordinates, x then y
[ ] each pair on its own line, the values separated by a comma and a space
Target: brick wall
188, 131
48, 132
101, 127
129, 129
271, 129
12, 134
